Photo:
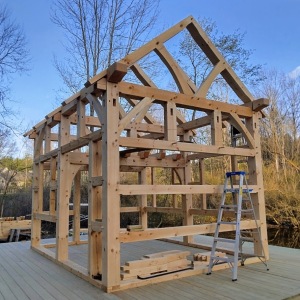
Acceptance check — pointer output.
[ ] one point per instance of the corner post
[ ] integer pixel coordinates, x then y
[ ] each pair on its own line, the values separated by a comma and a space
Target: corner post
37, 190
256, 178
111, 196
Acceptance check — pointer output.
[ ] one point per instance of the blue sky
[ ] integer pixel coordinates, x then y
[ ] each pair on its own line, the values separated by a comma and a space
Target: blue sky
271, 27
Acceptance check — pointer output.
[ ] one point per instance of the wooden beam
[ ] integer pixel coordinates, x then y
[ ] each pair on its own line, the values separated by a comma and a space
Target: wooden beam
259, 104
143, 114
45, 216
97, 106
136, 189
70, 108
151, 161
181, 100
207, 82
49, 155
133, 112
197, 123
160, 233
165, 210
79, 158
38, 143
196, 156
130, 209
185, 147
135, 56
181, 79
82, 141
141, 75
240, 126
116, 72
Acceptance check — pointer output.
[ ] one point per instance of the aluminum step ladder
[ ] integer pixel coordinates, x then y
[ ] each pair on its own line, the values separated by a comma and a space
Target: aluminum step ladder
240, 203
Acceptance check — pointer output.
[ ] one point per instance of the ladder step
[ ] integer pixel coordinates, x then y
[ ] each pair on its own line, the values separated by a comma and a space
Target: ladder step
224, 258
247, 255
224, 240
246, 239
250, 231
227, 223
247, 211
235, 173
225, 206
237, 190
231, 190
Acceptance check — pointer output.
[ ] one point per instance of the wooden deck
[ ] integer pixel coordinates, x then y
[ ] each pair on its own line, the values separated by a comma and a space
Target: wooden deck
24, 274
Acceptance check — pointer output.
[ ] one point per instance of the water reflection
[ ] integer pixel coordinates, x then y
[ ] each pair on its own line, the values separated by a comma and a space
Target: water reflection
284, 237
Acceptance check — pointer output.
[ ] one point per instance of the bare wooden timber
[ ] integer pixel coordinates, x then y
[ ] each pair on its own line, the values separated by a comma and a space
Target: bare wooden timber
70, 142
7, 225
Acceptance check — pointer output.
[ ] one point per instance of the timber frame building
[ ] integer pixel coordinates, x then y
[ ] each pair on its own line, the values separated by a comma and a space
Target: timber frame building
127, 138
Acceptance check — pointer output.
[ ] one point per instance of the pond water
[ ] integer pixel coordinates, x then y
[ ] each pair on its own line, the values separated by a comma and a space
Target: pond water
284, 237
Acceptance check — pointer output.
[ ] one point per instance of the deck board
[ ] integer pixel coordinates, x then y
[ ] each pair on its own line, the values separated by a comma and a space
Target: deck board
24, 274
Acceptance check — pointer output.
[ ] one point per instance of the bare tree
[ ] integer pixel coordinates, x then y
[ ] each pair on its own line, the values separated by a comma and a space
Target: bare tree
280, 144
292, 91
99, 32
14, 58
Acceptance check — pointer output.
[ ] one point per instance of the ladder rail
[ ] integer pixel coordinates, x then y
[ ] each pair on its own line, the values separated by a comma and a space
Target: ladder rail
219, 219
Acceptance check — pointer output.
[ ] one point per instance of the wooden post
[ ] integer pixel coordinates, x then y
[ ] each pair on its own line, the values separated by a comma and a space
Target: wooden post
76, 207
170, 122
187, 200
47, 139
153, 182
111, 197
143, 200
202, 181
37, 203
53, 186
95, 209
63, 193
216, 128
81, 126
256, 177
174, 197
37, 190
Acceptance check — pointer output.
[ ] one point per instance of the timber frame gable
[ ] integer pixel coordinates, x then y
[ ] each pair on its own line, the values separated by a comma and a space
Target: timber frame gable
117, 139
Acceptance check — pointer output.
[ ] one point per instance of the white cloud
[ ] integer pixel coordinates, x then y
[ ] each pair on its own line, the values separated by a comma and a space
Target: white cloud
295, 73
